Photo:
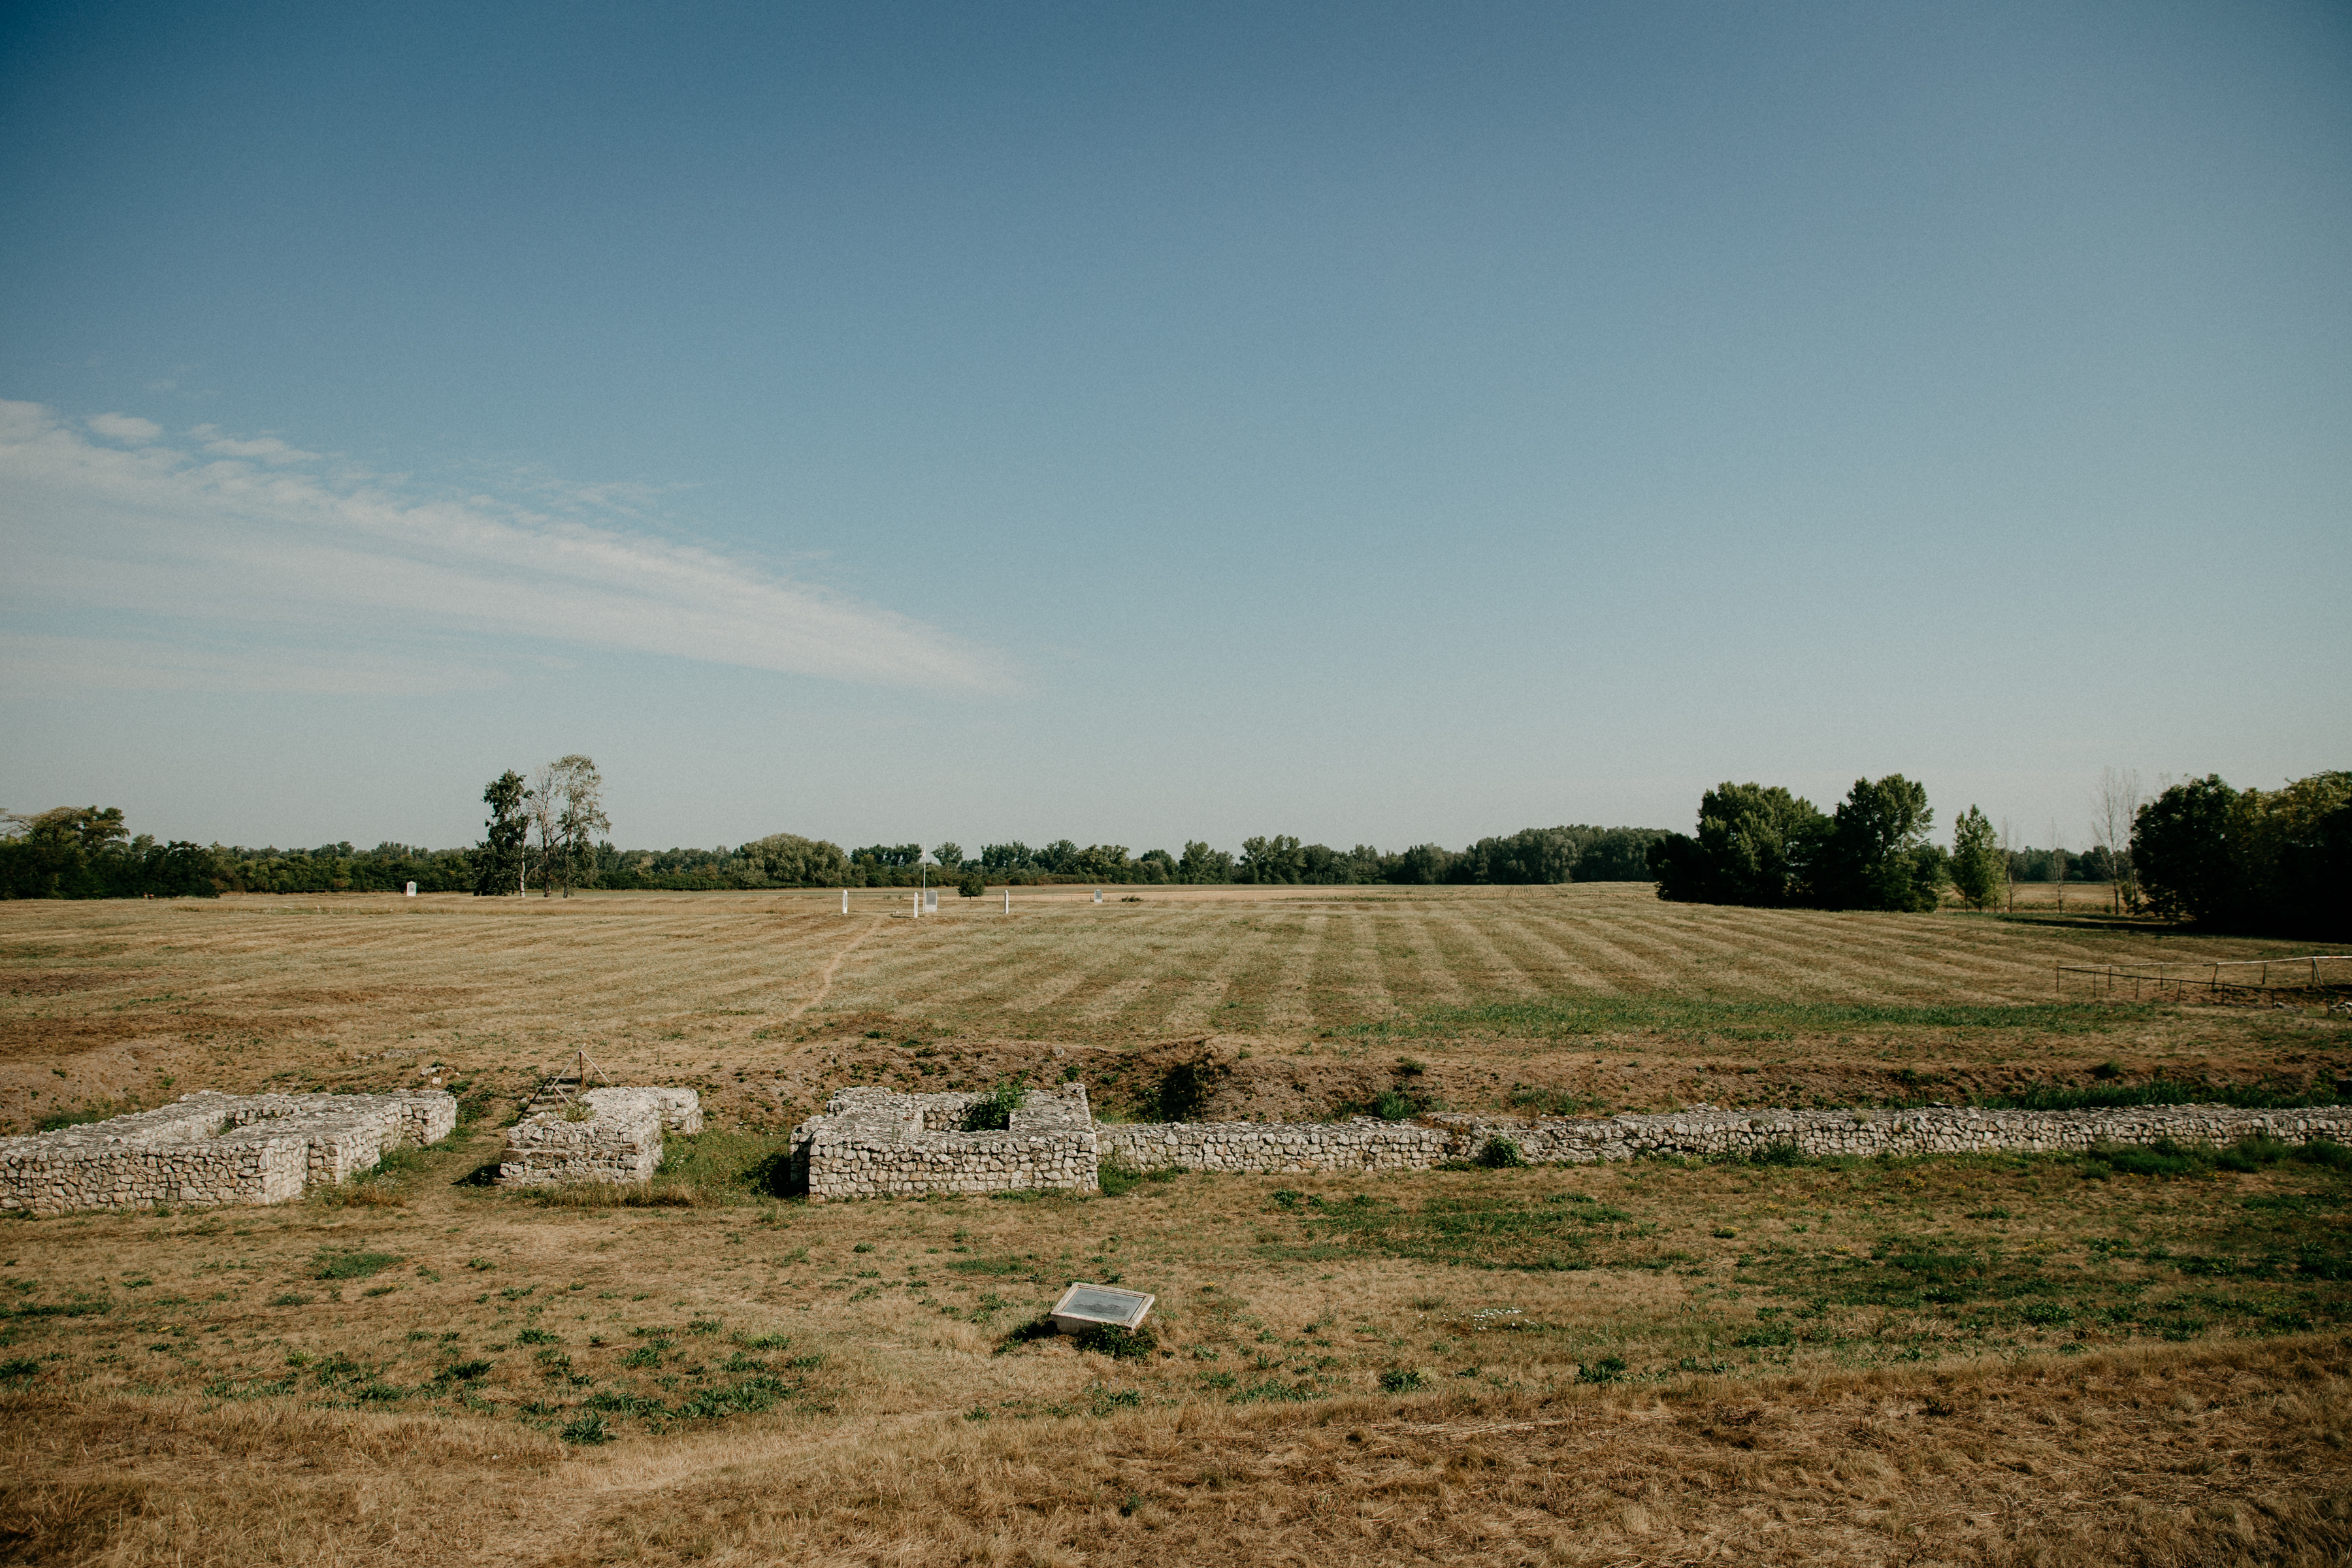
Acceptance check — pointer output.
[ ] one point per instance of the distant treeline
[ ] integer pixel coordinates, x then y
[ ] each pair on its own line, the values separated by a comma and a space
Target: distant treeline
2277, 861
86, 853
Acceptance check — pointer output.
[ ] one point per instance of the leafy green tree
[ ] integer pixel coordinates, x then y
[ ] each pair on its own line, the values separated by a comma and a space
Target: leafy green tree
499, 862
1424, 865
788, 861
2188, 847
1978, 872
1754, 846
1202, 864
1276, 859
2302, 857
1876, 855
950, 855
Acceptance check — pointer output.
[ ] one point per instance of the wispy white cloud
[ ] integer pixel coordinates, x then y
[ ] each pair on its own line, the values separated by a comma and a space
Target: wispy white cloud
38, 666
232, 529
125, 427
267, 448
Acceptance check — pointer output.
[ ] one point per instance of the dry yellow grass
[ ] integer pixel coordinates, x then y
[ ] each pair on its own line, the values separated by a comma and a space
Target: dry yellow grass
1642, 1363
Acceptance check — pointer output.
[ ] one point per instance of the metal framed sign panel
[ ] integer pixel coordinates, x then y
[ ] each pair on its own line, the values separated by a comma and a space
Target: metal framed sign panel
1085, 1306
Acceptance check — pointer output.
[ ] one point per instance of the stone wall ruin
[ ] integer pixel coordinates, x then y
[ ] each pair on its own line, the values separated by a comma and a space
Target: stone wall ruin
620, 1139
877, 1142
210, 1148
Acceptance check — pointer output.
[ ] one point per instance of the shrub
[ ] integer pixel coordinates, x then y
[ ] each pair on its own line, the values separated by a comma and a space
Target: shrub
1501, 1154
587, 1429
1184, 1089
993, 1111
973, 886
2325, 1151
1119, 1343
1402, 1380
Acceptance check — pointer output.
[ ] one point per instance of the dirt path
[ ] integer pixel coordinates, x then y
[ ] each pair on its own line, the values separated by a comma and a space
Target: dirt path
833, 967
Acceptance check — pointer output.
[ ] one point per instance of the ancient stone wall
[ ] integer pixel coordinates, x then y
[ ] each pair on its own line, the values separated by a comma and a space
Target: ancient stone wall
217, 1148
619, 1140
1367, 1145
1364, 1144
875, 1143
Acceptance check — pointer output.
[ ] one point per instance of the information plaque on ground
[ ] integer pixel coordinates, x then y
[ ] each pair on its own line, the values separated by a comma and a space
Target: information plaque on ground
1084, 1307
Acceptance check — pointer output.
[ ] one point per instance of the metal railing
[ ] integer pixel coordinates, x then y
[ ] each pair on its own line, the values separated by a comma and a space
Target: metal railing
2320, 975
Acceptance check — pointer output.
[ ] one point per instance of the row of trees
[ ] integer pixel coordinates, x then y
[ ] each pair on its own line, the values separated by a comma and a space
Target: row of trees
2253, 860
1763, 847
86, 852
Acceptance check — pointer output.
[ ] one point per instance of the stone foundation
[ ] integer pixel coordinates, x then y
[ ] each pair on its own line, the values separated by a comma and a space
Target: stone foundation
620, 1140
217, 1148
1367, 1145
875, 1142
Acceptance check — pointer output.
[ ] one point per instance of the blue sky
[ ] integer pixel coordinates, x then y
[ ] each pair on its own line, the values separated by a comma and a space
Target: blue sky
1380, 424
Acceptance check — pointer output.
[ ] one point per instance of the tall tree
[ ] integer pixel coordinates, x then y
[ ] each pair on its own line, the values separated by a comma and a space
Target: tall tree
583, 819
1754, 846
565, 804
1876, 855
498, 865
1979, 868
2112, 808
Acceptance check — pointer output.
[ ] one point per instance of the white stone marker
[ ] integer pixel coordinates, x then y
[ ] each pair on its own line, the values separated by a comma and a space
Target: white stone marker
1084, 1307
845, 900
930, 900
1098, 895
1008, 899
411, 890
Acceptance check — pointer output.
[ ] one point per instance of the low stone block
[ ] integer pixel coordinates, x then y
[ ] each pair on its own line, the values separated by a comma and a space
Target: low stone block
209, 1148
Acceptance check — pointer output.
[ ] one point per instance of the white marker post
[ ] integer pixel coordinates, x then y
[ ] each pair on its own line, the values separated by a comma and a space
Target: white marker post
845, 900
1008, 898
411, 890
1098, 895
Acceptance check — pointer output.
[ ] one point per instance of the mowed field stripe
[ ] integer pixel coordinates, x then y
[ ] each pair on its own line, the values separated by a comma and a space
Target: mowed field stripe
1862, 951
1487, 970
1289, 1003
1350, 991
1745, 960
1417, 971
1207, 993
1595, 934
1667, 964
1552, 966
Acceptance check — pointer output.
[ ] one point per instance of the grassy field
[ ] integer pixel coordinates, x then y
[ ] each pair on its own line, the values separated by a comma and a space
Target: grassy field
2131, 1358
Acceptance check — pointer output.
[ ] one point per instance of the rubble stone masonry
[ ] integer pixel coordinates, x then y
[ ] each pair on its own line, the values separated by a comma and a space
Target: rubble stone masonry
620, 1139
877, 1143
214, 1148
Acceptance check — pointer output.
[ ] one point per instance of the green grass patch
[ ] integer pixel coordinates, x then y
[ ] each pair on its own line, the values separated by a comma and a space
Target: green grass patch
333, 1264
723, 1165
82, 1116
2160, 1091
1498, 1228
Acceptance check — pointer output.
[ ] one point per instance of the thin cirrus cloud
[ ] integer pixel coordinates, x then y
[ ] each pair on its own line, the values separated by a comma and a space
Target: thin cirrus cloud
280, 543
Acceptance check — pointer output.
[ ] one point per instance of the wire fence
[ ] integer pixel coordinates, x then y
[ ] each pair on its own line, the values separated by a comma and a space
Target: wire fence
2325, 978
